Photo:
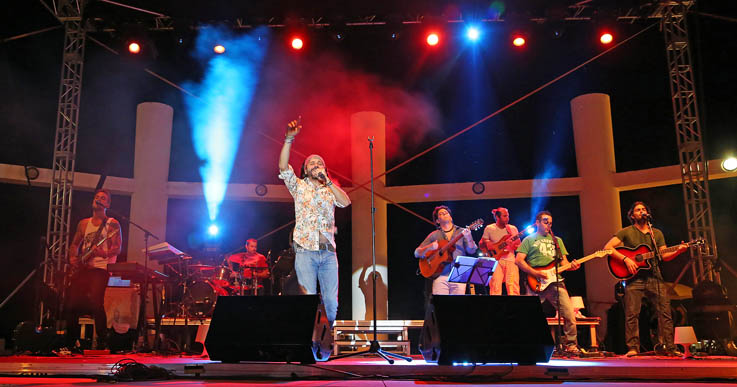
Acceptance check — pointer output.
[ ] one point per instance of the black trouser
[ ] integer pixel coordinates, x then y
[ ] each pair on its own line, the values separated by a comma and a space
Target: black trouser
655, 290
86, 296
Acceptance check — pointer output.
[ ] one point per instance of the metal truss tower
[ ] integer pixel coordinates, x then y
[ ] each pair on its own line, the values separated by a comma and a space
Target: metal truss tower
694, 168
69, 13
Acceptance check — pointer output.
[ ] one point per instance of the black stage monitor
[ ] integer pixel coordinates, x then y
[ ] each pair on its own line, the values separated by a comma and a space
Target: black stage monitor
485, 329
269, 328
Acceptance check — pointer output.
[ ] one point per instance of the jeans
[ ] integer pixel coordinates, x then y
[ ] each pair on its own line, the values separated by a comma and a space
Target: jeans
655, 290
566, 309
322, 265
86, 295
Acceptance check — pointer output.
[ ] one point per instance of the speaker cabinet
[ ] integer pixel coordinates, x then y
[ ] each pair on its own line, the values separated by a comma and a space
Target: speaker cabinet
485, 329
269, 328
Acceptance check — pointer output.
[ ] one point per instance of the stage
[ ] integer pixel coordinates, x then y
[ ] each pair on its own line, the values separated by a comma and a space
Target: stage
79, 369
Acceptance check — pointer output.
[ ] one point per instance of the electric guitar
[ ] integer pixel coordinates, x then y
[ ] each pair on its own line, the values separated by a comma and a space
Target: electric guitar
538, 285
85, 258
642, 255
434, 261
498, 248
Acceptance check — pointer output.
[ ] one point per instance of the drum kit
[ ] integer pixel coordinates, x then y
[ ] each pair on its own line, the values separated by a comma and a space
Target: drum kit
198, 286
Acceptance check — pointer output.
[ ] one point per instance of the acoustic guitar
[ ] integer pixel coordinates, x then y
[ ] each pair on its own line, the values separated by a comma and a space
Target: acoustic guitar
434, 261
642, 255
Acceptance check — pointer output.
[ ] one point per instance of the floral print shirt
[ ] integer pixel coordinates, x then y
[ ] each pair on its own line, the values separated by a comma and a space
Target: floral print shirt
314, 210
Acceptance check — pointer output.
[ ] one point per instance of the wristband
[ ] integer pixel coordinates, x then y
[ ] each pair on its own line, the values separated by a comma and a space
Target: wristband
289, 140
329, 183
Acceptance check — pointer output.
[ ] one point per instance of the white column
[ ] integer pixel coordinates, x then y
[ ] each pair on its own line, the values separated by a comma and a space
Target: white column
363, 126
599, 198
150, 176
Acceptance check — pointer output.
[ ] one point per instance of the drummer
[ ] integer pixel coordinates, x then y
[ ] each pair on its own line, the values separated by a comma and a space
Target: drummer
252, 263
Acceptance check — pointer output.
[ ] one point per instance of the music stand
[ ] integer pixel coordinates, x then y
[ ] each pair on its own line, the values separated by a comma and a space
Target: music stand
471, 270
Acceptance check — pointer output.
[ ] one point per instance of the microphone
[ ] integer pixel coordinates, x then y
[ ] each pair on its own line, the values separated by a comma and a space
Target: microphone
647, 217
322, 176
99, 203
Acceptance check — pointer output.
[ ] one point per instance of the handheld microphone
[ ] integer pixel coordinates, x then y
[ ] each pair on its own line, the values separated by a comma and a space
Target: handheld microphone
322, 176
99, 203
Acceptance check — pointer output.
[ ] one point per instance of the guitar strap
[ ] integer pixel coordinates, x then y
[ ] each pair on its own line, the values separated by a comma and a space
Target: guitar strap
98, 233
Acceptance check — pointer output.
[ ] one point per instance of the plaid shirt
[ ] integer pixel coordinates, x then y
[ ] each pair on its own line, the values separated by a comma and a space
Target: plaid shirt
314, 210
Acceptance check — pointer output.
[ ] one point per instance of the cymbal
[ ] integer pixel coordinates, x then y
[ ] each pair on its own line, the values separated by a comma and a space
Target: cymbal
201, 267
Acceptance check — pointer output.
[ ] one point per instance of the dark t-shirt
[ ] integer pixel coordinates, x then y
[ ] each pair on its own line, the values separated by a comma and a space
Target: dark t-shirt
633, 237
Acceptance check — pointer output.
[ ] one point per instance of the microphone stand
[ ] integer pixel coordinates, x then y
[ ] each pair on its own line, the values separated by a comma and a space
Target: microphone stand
142, 342
558, 259
375, 347
656, 271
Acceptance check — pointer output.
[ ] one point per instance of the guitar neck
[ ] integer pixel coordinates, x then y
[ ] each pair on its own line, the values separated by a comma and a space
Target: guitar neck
663, 251
580, 261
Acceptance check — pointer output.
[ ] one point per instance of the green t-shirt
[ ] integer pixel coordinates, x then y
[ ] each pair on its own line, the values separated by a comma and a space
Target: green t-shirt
632, 237
540, 249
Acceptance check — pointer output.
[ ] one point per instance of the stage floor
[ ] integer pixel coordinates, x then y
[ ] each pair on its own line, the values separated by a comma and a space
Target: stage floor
189, 370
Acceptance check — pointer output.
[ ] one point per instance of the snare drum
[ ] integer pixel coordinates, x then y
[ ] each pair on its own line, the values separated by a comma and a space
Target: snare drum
222, 276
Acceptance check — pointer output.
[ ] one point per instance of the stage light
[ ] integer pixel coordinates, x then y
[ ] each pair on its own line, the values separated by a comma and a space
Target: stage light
134, 48
606, 38
219, 49
729, 164
529, 229
213, 230
473, 33
518, 41
433, 39
297, 43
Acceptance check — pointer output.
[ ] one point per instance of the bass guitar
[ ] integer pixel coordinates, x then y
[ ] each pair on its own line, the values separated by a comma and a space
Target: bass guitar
434, 261
499, 248
538, 285
642, 255
85, 258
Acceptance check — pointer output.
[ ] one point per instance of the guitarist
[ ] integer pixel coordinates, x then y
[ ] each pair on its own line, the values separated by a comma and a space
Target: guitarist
506, 270
445, 232
87, 285
539, 250
647, 282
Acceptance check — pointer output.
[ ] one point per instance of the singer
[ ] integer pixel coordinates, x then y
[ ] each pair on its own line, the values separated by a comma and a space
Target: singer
315, 198
100, 239
647, 283
540, 250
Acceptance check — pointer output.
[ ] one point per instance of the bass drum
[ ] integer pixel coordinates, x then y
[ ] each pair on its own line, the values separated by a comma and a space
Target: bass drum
201, 296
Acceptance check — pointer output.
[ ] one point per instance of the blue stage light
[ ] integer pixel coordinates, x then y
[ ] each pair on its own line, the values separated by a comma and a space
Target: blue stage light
219, 110
473, 33
213, 229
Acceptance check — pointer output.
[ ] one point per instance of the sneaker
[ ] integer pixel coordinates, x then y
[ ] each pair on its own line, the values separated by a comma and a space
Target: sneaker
631, 352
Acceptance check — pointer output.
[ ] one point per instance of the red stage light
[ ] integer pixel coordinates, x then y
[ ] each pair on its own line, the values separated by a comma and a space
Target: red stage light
219, 49
134, 48
433, 39
518, 41
297, 43
606, 38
